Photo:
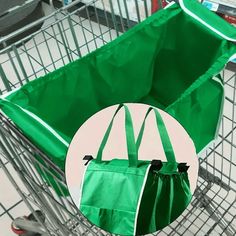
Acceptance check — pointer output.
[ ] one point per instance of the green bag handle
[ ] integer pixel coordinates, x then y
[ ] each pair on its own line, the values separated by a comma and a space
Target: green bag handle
130, 139
165, 139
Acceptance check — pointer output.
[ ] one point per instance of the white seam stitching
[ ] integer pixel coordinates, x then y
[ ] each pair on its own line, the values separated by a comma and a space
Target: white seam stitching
203, 22
140, 198
49, 128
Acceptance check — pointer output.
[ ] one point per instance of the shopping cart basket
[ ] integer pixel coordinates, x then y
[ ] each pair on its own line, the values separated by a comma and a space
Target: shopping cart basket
70, 33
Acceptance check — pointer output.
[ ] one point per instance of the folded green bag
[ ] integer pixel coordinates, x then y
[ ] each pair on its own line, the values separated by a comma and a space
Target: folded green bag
133, 197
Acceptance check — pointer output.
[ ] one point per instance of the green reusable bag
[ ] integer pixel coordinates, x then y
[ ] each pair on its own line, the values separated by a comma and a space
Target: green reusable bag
169, 61
167, 190
114, 194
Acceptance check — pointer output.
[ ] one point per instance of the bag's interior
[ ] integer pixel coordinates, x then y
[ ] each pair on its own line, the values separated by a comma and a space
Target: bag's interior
153, 63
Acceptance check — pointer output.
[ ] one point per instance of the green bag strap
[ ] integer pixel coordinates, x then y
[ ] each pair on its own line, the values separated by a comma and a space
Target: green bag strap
166, 143
130, 140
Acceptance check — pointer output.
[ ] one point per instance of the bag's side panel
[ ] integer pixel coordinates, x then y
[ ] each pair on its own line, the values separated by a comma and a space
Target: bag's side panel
207, 20
165, 198
36, 130
186, 54
182, 195
199, 113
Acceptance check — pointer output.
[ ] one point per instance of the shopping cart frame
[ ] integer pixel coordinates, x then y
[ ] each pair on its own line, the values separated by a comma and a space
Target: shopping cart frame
215, 196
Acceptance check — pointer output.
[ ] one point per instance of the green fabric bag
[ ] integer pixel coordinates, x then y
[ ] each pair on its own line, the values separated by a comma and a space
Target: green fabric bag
167, 190
133, 197
170, 61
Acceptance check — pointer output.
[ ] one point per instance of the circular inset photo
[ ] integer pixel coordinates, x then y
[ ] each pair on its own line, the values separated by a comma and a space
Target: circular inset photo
131, 169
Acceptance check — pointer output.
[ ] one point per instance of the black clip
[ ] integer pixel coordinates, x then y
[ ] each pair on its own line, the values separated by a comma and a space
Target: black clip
182, 167
88, 158
156, 165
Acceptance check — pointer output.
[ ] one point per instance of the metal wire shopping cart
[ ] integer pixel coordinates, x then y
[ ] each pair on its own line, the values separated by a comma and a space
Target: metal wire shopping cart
212, 211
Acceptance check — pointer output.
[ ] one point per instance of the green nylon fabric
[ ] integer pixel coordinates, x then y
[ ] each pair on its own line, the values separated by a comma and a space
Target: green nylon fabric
167, 61
164, 199
111, 190
167, 191
216, 22
110, 194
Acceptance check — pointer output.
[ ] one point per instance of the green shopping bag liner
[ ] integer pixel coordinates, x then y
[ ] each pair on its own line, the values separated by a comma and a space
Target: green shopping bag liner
134, 197
167, 189
169, 60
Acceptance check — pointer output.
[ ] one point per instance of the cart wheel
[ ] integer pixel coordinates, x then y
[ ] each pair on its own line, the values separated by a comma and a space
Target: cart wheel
17, 230
30, 217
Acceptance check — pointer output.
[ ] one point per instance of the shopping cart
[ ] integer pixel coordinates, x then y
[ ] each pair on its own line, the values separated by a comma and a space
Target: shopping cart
69, 33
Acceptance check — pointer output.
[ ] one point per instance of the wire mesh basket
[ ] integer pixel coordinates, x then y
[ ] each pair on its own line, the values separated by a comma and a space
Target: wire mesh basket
67, 34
